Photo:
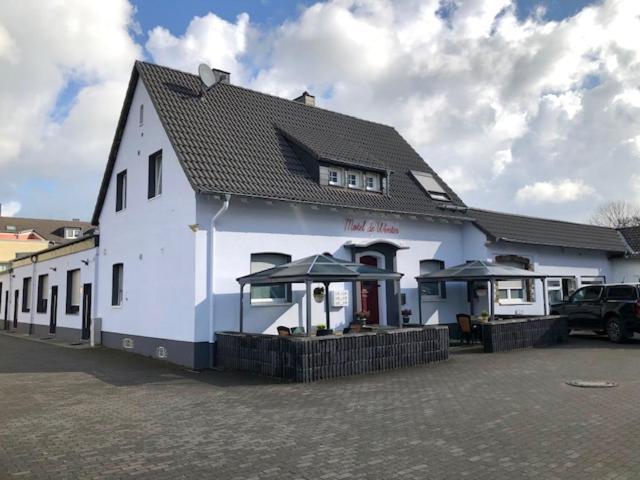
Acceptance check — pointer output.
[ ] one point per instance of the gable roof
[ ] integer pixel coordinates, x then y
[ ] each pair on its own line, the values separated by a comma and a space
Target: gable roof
50, 230
632, 237
540, 231
238, 141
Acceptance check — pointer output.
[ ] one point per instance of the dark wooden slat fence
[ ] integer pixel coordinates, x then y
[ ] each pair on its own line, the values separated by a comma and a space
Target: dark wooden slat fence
515, 334
307, 359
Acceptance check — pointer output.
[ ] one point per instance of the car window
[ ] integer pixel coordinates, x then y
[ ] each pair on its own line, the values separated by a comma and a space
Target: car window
621, 292
587, 294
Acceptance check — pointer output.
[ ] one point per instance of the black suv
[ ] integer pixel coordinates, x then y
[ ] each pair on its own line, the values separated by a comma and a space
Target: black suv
610, 309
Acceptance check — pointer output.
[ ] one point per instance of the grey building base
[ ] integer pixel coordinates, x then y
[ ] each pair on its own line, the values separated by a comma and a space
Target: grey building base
306, 359
42, 331
195, 355
518, 333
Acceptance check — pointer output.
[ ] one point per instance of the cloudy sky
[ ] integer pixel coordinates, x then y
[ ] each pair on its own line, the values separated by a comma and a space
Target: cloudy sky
521, 105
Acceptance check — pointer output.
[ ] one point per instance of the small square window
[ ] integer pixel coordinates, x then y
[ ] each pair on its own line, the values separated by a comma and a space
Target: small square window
354, 179
372, 182
334, 177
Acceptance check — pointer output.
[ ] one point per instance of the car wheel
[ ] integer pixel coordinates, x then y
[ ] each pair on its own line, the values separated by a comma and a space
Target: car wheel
615, 331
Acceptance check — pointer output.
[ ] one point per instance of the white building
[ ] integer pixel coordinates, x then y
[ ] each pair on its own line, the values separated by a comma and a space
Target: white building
203, 186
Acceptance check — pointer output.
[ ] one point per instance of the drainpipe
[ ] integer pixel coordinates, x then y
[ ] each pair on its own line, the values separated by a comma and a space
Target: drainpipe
210, 257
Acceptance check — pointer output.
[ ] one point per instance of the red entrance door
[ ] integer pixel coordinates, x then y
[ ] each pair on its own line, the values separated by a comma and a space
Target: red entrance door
369, 293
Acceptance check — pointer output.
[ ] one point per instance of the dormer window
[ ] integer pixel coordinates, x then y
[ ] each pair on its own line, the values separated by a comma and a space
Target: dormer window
335, 177
72, 233
372, 182
431, 186
354, 179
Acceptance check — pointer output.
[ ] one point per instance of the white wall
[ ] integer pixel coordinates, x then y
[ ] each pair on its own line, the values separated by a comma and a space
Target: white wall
56, 269
300, 231
552, 261
625, 270
151, 237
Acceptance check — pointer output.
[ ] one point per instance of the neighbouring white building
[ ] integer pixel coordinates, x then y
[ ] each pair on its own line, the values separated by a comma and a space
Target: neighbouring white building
203, 186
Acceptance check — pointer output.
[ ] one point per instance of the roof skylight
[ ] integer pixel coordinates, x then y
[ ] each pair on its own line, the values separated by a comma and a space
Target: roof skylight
431, 186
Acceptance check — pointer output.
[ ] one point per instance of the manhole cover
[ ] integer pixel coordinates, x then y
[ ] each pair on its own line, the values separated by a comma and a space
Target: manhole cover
592, 383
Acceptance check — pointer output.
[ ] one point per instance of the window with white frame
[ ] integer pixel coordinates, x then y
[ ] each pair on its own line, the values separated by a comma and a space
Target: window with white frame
511, 291
559, 289
155, 175
372, 182
121, 191
43, 293
74, 291
517, 290
431, 291
354, 179
269, 294
117, 284
71, 233
335, 176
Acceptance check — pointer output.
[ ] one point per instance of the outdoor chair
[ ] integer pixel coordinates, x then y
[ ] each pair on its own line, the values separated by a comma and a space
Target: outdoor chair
468, 331
284, 331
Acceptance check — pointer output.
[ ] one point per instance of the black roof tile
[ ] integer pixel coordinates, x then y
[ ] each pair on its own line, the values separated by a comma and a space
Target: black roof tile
632, 237
540, 231
235, 140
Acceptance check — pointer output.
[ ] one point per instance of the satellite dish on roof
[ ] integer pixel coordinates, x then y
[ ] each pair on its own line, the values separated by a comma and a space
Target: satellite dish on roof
206, 75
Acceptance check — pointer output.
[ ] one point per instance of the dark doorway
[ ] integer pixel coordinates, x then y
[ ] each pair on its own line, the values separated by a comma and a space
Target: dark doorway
86, 311
369, 293
53, 312
6, 310
16, 296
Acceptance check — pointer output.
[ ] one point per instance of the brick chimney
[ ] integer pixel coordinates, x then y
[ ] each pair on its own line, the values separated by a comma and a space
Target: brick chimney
221, 76
306, 98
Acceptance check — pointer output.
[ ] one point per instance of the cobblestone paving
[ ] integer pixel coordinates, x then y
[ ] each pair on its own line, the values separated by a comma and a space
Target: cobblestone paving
105, 414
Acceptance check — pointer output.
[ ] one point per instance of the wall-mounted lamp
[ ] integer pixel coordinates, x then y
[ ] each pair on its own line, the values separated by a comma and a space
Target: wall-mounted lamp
86, 262
53, 269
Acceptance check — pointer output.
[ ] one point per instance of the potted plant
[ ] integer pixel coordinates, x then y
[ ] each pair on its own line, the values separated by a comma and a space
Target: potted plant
318, 294
406, 315
322, 330
484, 316
359, 320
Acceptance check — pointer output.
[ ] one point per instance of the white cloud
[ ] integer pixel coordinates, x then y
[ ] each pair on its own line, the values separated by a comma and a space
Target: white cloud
501, 159
10, 209
208, 39
562, 191
493, 102
83, 60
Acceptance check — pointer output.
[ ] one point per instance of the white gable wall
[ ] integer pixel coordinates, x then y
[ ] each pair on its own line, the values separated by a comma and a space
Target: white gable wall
151, 237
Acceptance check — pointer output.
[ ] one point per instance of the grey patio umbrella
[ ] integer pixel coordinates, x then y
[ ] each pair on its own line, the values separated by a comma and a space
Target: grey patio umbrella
481, 270
322, 268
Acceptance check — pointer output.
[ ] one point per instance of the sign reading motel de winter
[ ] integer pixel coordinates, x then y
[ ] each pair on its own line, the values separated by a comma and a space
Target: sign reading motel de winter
361, 225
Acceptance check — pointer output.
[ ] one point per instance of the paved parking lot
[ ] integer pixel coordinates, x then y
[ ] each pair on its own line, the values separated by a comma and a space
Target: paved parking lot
104, 414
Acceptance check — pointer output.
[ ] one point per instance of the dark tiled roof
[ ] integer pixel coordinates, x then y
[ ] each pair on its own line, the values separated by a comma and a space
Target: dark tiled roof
632, 237
51, 230
238, 141
540, 231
